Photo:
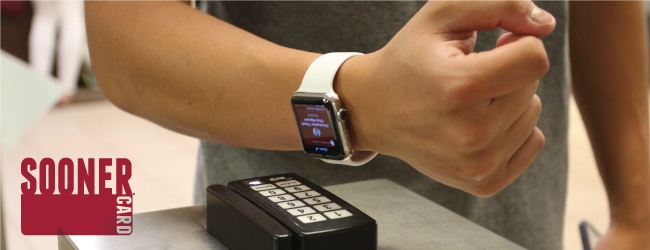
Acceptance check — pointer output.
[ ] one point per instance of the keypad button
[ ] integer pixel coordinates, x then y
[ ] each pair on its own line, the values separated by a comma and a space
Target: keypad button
338, 214
287, 183
279, 198
317, 200
307, 194
297, 189
263, 187
291, 204
272, 192
311, 218
301, 211
327, 207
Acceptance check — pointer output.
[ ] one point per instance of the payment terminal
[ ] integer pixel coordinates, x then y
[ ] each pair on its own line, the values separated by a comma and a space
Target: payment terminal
286, 212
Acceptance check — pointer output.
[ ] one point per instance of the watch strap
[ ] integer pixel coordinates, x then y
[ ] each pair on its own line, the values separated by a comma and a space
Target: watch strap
358, 158
319, 77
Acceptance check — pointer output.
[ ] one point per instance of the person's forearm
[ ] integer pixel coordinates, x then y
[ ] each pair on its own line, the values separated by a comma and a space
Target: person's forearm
456, 116
609, 59
195, 74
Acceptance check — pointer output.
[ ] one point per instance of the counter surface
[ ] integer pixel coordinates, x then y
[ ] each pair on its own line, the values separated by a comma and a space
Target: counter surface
407, 221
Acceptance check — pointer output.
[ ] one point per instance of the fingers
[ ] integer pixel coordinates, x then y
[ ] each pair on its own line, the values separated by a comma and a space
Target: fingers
525, 156
499, 178
524, 142
519, 17
527, 151
507, 38
505, 69
517, 133
508, 109
491, 169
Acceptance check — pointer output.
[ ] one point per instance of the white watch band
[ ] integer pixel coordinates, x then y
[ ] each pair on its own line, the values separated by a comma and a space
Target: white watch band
358, 158
319, 79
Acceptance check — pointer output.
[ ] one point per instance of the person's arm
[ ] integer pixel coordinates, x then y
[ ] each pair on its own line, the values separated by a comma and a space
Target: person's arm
609, 60
195, 74
461, 118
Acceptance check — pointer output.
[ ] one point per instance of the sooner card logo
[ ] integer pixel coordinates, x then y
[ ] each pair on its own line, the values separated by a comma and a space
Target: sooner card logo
73, 199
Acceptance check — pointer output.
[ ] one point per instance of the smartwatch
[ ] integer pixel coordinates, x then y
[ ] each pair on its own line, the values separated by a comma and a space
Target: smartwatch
321, 117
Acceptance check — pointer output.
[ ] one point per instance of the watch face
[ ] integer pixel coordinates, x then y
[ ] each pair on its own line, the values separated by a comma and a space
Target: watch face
318, 127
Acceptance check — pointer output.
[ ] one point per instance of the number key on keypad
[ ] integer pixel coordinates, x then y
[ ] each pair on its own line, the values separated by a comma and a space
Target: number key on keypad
311, 218
297, 189
338, 214
279, 198
317, 200
291, 204
307, 194
301, 211
272, 192
327, 207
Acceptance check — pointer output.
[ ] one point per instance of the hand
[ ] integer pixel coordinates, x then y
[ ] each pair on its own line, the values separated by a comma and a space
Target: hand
622, 237
464, 119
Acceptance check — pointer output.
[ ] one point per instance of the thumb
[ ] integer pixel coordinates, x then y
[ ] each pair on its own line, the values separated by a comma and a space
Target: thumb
518, 17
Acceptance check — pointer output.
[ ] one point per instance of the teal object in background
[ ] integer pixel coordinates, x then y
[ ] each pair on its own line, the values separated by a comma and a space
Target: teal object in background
24, 97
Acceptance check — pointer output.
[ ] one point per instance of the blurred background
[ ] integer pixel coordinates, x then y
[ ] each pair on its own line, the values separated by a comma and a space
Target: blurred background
64, 115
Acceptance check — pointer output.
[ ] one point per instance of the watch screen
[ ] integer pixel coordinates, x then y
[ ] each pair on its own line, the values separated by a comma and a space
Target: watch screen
315, 126
318, 130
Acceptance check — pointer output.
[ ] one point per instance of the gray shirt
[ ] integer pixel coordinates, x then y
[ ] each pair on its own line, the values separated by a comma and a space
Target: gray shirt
529, 212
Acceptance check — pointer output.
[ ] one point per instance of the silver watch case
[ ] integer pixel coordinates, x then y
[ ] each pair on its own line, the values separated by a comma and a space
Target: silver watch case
337, 116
